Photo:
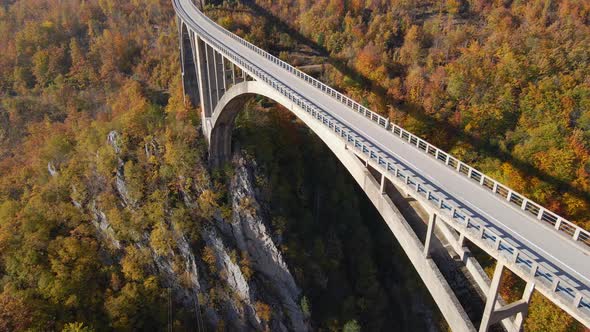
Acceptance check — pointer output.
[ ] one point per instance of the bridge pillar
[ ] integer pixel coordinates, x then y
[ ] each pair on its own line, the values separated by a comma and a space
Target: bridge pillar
190, 80
210, 77
197, 54
491, 298
494, 312
429, 234
526, 298
233, 73
462, 250
203, 73
219, 74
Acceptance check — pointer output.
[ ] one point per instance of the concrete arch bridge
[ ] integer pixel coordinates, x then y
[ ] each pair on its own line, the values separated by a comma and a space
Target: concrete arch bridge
221, 71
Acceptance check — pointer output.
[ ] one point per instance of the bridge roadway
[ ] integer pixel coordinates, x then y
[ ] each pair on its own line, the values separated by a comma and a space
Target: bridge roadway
553, 250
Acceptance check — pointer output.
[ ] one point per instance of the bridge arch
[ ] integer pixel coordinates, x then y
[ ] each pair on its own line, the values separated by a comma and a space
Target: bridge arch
224, 115
234, 100
219, 136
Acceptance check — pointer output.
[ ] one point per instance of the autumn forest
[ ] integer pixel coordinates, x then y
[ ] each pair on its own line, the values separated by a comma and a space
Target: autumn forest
110, 218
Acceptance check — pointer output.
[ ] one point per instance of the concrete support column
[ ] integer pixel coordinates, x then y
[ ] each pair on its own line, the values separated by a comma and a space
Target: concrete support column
491, 298
526, 299
190, 83
215, 73
237, 74
209, 58
224, 70
383, 179
202, 73
220, 67
461, 251
218, 73
429, 234
494, 313
181, 48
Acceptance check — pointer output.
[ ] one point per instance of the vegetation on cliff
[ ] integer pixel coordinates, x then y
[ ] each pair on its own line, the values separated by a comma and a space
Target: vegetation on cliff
72, 72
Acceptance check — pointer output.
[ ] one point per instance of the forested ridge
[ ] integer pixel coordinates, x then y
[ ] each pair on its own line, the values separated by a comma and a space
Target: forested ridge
71, 72
94, 131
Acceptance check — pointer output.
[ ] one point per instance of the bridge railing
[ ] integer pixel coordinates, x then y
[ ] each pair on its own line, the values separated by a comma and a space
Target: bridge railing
559, 223
456, 216
527, 205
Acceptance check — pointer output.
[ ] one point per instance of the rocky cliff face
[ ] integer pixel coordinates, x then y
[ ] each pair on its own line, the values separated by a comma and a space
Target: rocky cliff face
268, 280
249, 229
244, 285
185, 286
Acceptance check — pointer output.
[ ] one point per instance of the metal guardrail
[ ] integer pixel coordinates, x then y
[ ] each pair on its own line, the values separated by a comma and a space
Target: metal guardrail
559, 223
454, 215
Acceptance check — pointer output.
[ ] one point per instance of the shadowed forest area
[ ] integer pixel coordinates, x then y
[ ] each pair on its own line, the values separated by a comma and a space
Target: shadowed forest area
103, 169
342, 253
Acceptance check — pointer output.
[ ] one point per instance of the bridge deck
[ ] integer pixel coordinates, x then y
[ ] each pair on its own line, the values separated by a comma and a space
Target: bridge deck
552, 249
